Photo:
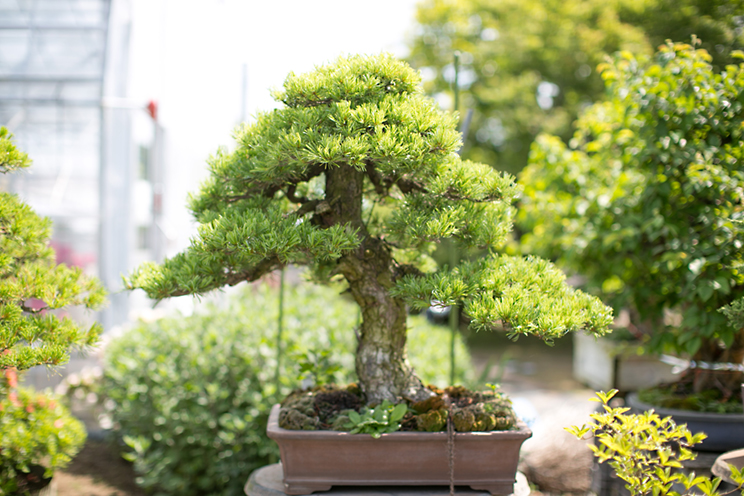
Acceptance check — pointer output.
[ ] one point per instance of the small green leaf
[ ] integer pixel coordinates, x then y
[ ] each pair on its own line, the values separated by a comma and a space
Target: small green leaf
398, 412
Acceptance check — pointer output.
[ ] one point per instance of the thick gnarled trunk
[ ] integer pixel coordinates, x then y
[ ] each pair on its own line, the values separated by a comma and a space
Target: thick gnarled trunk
381, 364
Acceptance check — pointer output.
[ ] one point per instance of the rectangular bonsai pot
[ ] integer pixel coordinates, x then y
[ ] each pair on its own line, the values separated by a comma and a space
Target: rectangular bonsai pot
317, 460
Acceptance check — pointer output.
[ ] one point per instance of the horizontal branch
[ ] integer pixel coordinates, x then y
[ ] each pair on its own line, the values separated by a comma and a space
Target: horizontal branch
254, 273
306, 208
290, 193
30, 310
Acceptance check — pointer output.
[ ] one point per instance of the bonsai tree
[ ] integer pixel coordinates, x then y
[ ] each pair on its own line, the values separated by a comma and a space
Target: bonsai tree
646, 203
35, 430
356, 177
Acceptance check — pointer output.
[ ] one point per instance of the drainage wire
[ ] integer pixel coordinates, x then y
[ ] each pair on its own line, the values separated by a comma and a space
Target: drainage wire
451, 450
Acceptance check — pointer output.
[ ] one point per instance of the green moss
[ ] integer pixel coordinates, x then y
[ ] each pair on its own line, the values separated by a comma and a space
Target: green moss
295, 420
432, 421
433, 403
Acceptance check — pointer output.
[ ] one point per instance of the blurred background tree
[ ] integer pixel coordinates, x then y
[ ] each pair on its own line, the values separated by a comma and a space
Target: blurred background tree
529, 66
645, 202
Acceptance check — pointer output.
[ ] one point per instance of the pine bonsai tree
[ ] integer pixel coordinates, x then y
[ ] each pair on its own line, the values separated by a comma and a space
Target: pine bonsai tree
357, 177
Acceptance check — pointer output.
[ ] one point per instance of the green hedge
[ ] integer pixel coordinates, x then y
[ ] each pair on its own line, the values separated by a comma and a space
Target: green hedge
192, 394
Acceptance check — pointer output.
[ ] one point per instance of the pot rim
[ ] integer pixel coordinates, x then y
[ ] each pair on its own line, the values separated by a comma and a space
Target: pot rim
274, 431
633, 401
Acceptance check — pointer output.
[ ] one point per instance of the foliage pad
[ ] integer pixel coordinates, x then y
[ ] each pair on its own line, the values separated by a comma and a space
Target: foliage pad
32, 285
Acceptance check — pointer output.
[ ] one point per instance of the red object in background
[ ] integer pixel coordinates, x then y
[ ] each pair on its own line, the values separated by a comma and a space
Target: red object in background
12, 377
152, 109
157, 202
66, 255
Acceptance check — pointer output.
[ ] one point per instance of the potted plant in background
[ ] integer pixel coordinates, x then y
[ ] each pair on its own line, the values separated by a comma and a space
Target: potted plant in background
37, 434
646, 204
357, 177
646, 450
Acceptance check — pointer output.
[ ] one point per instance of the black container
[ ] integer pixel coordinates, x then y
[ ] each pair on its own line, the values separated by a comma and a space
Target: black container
725, 430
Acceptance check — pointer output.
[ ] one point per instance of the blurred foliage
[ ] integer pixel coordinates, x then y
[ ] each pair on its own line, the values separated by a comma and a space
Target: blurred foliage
32, 285
529, 66
36, 430
646, 200
710, 400
191, 395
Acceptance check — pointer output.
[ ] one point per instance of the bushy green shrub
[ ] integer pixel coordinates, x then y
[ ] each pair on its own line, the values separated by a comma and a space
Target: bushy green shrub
645, 203
35, 430
647, 451
192, 394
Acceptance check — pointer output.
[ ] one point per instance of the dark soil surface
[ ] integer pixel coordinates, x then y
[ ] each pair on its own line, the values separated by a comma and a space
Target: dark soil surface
97, 470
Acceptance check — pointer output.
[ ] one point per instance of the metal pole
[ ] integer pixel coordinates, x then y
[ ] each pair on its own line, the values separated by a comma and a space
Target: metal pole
454, 314
244, 94
279, 329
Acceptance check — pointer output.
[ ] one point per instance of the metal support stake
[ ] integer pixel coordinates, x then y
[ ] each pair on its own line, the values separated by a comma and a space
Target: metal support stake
279, 328
454, 316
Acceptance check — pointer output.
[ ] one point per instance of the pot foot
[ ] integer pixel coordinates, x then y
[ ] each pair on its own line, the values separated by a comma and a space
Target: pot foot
294, 488
498, 488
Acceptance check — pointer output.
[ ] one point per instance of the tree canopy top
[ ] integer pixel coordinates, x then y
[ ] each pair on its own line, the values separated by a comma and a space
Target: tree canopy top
358, 165
266, 202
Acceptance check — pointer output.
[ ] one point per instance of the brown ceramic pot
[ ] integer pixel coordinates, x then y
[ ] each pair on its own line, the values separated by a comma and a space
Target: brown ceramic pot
317, 460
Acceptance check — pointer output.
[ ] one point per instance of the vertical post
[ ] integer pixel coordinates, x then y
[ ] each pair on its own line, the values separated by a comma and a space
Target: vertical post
244, 94
279, 329
454, 318
454, 314
158, 235
115, 168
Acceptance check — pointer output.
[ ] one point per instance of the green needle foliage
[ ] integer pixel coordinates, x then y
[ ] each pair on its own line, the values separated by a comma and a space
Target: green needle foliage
33, 286
36, 432
357, 177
